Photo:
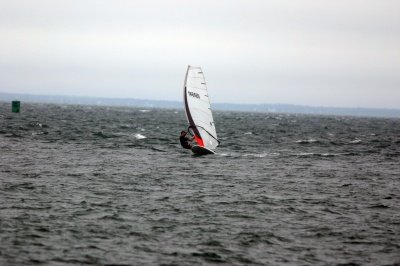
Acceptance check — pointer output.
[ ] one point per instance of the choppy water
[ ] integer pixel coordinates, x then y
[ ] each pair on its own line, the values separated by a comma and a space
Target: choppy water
111, 186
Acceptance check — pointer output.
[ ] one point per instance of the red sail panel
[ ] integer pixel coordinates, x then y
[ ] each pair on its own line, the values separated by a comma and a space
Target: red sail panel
199, 141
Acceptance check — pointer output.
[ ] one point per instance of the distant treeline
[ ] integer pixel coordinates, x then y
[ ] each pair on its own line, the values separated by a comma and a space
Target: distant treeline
275, 108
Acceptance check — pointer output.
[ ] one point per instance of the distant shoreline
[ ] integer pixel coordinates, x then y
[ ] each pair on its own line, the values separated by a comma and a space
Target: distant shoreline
267, 108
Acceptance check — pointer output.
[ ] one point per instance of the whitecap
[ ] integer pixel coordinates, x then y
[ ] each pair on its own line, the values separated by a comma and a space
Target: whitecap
37, 133
248, 133
144, 111
328, 155
355, 141
274, 154
261, 155
140, 136
302, 141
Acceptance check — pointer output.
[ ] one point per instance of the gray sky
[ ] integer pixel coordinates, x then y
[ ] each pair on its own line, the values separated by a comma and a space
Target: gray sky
342, 53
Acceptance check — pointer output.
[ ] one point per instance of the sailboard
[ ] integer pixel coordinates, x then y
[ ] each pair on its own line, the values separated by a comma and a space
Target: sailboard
198, 112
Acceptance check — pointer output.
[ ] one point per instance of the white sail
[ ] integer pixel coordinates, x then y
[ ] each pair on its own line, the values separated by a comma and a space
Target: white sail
198, 109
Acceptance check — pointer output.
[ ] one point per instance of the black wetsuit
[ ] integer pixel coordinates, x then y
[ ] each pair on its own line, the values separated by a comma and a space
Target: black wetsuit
185, 142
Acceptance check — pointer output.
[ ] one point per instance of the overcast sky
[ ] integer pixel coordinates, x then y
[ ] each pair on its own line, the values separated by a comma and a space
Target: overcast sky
325, 53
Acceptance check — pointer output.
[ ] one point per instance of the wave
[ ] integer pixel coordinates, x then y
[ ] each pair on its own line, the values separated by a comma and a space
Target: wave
307, 141
312, 154
40, 133
13, 135
103, 135
261, 155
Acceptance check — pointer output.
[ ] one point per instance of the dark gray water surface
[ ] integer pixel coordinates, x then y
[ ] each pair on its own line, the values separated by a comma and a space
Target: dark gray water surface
80, 185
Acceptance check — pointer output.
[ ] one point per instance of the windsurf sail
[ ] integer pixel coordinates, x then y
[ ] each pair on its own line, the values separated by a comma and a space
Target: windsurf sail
198, 108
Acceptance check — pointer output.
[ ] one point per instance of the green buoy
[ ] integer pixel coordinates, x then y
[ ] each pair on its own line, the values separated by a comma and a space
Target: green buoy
15, 106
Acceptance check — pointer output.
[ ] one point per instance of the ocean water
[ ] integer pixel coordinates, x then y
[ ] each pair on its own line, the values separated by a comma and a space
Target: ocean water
111, 186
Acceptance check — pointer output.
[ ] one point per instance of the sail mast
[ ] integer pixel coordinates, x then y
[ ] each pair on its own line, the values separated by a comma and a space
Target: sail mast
188, 113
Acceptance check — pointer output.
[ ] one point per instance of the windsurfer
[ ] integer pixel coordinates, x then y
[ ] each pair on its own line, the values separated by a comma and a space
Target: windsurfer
185, 140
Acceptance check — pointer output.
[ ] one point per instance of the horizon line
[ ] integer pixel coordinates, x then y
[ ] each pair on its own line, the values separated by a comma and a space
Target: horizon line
217, 103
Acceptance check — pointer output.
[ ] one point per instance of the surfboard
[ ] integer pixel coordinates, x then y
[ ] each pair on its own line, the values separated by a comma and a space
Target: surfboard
201, 150
198, 112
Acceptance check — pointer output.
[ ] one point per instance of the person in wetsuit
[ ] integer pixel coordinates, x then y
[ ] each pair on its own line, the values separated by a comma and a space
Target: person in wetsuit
185, 140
